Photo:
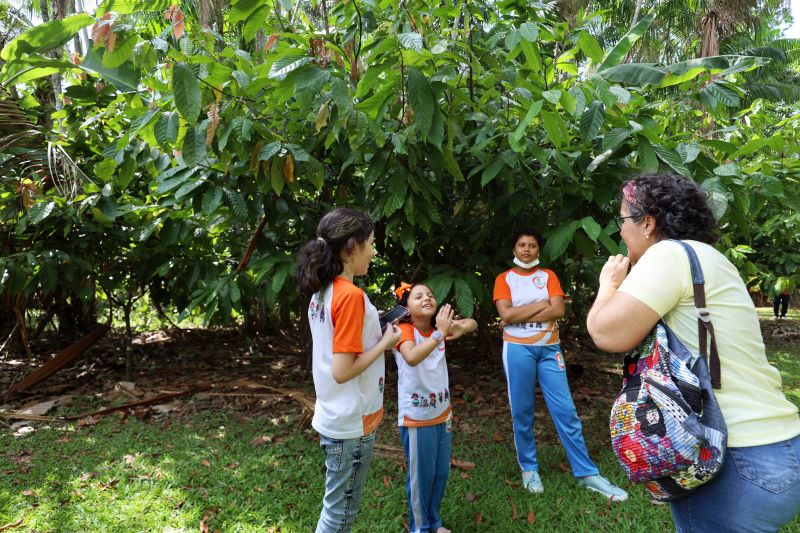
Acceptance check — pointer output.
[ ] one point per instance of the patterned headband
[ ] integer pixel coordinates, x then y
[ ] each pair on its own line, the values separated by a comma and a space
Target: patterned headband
628, 192
402, 289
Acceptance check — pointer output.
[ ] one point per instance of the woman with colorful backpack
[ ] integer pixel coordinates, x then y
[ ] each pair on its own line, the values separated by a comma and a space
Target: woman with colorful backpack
757, 485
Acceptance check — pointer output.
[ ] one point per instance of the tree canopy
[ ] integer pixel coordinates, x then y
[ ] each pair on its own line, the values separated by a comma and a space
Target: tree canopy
190, 149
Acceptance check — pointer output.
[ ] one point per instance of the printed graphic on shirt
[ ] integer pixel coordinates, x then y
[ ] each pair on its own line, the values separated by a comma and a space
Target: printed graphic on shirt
423, 390
525, 288
342, 319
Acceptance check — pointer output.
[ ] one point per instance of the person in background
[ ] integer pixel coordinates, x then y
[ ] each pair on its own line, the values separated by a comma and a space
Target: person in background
529, 299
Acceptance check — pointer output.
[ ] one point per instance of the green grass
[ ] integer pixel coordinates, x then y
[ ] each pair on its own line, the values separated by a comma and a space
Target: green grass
129, 475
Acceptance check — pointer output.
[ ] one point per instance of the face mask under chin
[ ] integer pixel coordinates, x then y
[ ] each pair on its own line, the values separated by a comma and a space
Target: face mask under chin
522, 264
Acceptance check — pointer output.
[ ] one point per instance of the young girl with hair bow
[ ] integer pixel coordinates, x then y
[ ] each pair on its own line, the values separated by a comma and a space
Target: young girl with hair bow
423, 402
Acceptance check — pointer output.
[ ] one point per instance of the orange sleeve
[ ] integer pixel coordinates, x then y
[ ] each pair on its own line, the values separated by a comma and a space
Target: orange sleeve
553, 285
347, 317
406, 334
501, 289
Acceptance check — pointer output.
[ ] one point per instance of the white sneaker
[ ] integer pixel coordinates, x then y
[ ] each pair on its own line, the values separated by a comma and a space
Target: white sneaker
603, 486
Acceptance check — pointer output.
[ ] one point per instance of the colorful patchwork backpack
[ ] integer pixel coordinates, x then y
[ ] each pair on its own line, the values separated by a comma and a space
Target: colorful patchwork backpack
666, 426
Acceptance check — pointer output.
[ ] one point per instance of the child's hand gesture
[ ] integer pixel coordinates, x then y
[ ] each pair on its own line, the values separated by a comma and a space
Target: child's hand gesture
444, 319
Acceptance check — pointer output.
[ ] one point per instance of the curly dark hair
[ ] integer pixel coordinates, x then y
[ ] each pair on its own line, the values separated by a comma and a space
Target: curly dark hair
320, 259
532, 232
678, 205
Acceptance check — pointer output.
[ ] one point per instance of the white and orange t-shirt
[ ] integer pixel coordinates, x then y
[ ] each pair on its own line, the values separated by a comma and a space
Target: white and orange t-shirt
423, 394
522, 288
343, 320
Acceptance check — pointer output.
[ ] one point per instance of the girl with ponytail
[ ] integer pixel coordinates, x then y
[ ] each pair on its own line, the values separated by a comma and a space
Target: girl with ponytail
347, 358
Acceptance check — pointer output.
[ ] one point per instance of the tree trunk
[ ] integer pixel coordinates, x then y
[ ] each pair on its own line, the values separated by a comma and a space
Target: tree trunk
709, 45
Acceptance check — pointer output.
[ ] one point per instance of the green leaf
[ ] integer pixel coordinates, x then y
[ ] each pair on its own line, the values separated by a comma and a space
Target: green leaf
269, 150
716, 196
41, 211
32, 68
614, 138
188, 188
672, 159
591, 227
241, 9
125, 78
422, 101
123, 50
440, 286
648, 161
688, 151
194, 146
288, 63
255, 22
411, 41
552, 96
590, 47
723, 94
125, 7
45, 37
451, 165
552, 124
677, 73
559, 240
529, 31
166, 129
751, 146
638, 74
591, 120
236, 203
212, 199
621, 49
465, 301
188, 97
533, 111
728, 169
491, 170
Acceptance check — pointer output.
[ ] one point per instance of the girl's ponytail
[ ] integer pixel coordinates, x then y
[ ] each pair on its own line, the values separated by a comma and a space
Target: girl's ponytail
320, 259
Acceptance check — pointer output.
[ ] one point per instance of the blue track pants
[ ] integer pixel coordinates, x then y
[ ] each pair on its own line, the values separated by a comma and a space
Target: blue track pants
428, 455
524, 365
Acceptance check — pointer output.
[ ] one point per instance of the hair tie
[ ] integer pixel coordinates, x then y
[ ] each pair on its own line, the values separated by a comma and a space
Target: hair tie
322, 240
402, 289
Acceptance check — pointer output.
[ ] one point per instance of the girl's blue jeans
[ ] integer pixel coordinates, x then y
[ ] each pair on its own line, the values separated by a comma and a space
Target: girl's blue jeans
347, 463
757, 489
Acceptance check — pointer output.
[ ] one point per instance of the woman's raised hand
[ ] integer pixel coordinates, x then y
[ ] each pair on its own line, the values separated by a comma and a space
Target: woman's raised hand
615, 271
444, 319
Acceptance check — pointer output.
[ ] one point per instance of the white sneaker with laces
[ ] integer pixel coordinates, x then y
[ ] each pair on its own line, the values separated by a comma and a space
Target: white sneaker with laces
603, 486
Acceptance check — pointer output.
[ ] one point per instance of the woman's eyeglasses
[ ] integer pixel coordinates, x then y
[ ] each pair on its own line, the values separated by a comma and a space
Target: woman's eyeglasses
621, 220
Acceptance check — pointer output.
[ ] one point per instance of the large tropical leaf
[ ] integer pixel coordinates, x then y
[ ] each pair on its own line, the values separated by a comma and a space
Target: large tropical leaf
188, 97
46, 36
621, 49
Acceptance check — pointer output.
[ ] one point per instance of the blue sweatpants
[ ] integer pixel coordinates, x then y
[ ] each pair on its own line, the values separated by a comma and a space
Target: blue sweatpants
523, 365
428, 455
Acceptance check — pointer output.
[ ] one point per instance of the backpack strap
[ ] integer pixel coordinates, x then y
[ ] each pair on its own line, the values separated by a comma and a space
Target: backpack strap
704, 326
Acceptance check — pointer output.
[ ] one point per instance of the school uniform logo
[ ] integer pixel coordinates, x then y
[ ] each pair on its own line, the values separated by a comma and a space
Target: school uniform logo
560, 360
380, 385
539, 282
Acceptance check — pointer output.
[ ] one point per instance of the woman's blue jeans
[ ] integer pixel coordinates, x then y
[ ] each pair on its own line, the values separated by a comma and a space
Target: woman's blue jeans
758, 489
347, 463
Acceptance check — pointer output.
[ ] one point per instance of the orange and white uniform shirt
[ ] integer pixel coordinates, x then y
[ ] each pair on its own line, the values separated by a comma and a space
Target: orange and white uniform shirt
524, 288
343, 320
423, 396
